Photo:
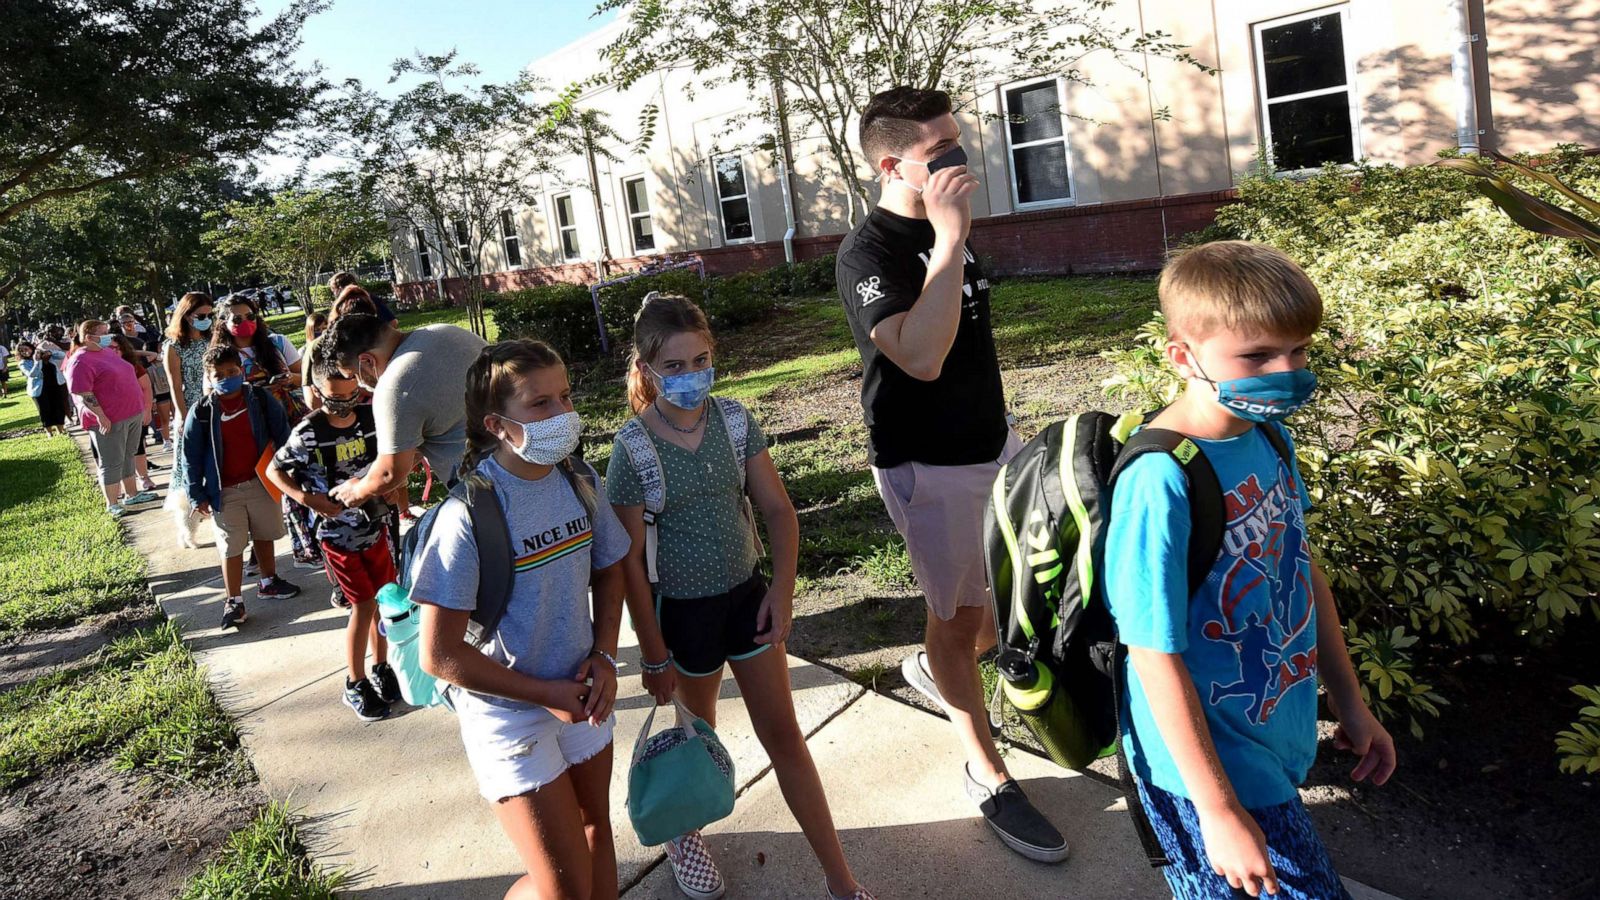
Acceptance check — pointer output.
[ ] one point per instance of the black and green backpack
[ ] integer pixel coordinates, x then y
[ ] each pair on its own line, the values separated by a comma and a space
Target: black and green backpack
1059, 658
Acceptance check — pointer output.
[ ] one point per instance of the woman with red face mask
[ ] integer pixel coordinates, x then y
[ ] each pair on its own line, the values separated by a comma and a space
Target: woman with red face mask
273, 363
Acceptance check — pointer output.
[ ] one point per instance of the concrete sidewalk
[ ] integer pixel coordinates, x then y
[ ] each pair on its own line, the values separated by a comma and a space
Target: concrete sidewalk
394, 803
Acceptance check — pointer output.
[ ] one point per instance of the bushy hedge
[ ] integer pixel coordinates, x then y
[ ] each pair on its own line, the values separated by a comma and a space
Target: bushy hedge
1452, 448
564, 316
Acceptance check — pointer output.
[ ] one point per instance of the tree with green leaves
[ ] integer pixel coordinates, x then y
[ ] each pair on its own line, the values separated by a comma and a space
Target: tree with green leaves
100, 93
826, 58
446, 157
298, 232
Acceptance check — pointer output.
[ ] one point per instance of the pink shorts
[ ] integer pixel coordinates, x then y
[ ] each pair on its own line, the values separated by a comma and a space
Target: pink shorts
939, 512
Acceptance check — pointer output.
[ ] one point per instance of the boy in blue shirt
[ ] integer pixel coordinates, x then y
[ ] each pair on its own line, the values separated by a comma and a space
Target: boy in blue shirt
1221, 718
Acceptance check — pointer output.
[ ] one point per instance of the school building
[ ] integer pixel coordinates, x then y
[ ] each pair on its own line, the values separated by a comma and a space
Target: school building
1095, 179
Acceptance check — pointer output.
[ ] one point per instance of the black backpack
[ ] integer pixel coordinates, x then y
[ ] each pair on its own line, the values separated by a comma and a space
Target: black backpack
1059, 658
496, 562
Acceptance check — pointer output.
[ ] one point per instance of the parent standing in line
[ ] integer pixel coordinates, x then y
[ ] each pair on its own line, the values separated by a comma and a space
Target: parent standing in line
113, 412
418, 381
918, 306
42, 364
183, 358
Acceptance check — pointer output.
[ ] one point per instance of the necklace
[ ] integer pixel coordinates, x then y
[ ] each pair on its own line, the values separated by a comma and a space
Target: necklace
670, 424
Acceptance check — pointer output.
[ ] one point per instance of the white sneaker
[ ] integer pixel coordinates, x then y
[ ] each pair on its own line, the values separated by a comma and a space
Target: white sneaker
915, 670
693, 868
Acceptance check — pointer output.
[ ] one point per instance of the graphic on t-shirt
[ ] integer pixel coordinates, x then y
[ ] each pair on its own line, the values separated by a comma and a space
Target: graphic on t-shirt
869, 291
553, 543
1264, 538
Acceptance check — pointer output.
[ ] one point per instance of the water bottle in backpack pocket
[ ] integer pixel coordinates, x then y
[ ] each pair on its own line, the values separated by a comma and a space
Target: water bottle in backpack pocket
402, 626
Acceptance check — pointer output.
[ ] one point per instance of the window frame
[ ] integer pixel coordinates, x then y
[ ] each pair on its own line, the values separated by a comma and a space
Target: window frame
560, 230
1264, 104
722, 217
424, 258
1065, 140
511, 240
462, 232
648, 214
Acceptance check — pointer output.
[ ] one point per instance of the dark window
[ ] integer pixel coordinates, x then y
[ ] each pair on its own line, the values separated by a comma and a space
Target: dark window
508, 233
1304, 79
734, 198
423, 262
644, 232
567, 225
1036, 137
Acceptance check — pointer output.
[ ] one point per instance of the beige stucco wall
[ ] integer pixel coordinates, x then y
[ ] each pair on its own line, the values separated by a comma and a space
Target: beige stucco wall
1542, 87
1544, 69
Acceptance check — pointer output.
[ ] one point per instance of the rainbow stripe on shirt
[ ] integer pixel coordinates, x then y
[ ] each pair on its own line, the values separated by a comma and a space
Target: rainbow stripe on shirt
554, 552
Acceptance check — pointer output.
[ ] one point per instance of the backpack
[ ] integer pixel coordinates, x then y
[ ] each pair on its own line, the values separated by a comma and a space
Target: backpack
641, 449
496, 567
1059, 660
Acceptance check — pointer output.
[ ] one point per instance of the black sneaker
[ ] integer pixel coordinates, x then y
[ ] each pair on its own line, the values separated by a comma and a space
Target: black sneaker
277, 589
251, 568
1022, 828
387, 682
337, 599
233, 612
360, 697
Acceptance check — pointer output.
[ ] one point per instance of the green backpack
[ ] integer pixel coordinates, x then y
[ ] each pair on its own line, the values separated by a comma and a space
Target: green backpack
1059, 659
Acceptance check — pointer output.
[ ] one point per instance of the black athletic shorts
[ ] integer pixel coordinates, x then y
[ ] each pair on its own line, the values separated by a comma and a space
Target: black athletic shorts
704, 632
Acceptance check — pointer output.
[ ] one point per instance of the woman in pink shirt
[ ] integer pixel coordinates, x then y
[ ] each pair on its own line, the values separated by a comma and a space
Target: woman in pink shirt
112, 410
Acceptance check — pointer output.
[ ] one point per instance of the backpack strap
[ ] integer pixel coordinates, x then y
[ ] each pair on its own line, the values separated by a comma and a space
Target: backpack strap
641, 450
493, 537
736, 422
1206, 514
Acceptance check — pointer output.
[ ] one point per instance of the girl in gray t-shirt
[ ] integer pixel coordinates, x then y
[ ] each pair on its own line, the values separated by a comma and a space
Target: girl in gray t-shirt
535, 701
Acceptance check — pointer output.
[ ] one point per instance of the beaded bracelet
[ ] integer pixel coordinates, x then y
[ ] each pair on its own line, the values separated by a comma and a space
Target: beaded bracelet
605, 656
651, 668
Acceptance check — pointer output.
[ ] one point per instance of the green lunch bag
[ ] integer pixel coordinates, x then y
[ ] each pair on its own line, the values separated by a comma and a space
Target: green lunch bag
680, 780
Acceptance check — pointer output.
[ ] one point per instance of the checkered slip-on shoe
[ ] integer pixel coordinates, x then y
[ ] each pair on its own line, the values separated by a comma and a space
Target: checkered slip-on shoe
696, 874
860, 893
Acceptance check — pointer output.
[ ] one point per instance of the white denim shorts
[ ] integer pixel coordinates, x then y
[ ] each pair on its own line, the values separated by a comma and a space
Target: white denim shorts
514, 751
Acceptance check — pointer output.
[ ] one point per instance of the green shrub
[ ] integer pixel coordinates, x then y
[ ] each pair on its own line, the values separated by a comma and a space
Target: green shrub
1579, 746
561, 315
1451, 450
619, 303
744, 298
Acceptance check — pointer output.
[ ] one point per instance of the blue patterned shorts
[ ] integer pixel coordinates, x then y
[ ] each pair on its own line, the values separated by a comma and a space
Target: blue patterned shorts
1298, 857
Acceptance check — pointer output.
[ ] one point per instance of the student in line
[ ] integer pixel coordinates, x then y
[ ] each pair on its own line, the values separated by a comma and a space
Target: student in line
330, 446
712, 604
223, 438
1221, 718
534, 702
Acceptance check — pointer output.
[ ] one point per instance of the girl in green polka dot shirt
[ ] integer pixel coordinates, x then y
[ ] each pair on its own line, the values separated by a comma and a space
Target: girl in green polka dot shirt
711, 605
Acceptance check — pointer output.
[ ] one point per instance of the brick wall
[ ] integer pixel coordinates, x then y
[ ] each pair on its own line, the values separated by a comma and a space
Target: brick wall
1131, 236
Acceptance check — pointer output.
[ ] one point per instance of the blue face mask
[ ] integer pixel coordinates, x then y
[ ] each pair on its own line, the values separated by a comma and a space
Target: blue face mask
201, 324
689, 390
105, 340
1267, 398
229, 385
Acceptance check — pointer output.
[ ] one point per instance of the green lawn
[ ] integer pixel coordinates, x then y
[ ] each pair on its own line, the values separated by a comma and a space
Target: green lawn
265, 860
16, 408
61, 556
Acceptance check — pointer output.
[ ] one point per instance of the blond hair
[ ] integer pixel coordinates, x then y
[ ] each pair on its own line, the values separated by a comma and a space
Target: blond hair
1240, 287
662, 317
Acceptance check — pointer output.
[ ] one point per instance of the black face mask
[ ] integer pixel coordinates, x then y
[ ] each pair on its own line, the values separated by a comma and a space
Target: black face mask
340, 406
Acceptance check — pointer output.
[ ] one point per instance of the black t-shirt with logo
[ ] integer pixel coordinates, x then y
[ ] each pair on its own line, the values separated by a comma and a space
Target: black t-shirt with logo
957, 419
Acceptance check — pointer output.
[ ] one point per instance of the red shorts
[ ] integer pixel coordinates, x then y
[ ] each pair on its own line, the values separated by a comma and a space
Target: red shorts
360, 573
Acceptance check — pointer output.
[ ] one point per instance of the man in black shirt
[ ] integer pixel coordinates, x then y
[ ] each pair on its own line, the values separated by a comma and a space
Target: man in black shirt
918, 305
